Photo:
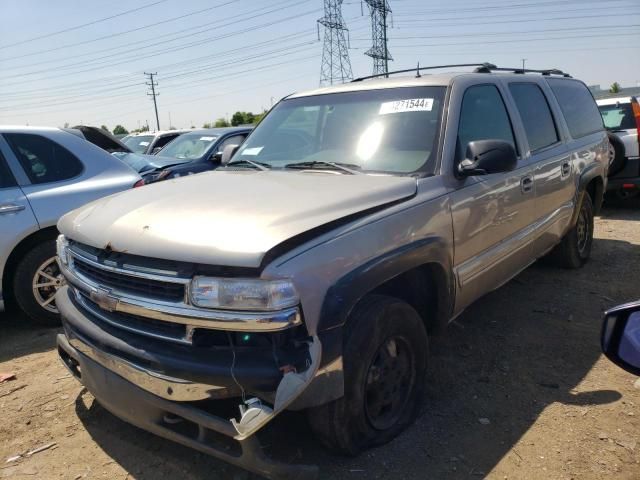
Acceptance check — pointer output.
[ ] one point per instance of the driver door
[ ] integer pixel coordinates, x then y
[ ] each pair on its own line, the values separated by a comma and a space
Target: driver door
492, 214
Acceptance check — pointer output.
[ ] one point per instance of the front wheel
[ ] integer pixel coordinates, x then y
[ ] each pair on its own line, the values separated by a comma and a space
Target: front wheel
575, 248
36, 280
385, 360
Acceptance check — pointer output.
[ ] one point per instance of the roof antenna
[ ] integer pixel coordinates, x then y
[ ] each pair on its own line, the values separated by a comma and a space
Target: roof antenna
418, 71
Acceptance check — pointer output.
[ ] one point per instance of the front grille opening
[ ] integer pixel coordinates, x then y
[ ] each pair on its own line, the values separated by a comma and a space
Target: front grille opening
142, 286
200, 434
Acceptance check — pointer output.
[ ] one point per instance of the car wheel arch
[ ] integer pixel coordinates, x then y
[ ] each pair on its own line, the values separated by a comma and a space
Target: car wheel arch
403, 273
23, 246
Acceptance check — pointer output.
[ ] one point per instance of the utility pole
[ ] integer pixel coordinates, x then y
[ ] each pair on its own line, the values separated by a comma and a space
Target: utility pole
379, 51
153, 94
336, 66
169, 120
523, 60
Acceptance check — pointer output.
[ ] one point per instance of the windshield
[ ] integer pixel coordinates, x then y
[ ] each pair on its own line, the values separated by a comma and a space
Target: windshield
617, 116
190, 146
139, 143
390, 130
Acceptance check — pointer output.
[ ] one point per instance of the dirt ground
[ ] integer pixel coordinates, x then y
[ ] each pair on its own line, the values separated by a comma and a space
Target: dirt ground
517, 390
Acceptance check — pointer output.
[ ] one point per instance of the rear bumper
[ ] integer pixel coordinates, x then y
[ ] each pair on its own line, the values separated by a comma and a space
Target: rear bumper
181, 423
630, 175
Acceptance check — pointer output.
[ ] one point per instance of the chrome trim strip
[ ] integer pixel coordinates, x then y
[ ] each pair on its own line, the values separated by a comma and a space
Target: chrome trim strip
98, 312
153, 382
186, 314
149, 276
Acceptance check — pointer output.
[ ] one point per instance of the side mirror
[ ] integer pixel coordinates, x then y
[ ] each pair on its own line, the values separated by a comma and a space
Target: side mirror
216, 157
488, 156
155, 150
228, 152
620, 337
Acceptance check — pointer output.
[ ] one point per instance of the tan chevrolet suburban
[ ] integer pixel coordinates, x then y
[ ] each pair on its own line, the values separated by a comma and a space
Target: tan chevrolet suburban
311, 270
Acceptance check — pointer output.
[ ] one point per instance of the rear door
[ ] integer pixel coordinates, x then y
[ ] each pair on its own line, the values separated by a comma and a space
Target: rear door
548, 153
56, 181
16, 218
492, 214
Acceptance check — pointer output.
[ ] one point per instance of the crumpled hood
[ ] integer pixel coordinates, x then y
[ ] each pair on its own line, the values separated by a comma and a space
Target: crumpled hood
227, 217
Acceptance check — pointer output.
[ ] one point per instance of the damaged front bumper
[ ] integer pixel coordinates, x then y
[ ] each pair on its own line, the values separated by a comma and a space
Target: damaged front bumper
163, 402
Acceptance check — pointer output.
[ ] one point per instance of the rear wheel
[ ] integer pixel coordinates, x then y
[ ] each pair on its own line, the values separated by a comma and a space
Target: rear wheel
575, 248
36, 280
384, 356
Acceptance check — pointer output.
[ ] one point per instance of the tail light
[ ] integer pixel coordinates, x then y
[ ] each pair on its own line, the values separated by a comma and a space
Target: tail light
139, 183
635, 107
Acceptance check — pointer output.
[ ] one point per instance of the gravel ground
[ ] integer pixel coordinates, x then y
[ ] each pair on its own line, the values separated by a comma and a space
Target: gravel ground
517, 389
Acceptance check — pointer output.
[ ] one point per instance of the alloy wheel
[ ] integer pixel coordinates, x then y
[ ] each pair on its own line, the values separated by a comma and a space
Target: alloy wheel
46, 282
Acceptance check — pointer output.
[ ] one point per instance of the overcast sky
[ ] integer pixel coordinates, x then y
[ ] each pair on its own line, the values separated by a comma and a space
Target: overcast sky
66, 61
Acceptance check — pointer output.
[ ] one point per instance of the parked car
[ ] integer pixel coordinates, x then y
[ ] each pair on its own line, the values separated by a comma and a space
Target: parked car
309, 272
621, 116
141, 163
620, 338
195, 152
44, 173
151, 143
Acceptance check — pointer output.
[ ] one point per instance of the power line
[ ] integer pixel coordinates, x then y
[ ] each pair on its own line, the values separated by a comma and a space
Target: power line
336, 65
77, 27
164, 50
112, 35
153, 94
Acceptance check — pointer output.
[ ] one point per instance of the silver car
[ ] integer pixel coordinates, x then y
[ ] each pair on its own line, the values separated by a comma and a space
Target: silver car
44, 173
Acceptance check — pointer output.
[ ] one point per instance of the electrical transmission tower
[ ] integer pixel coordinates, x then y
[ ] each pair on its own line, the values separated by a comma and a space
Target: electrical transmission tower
336, 66
153, 94
379, 51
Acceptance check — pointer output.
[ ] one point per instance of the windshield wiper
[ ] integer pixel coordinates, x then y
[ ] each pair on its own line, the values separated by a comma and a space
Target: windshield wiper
345, 167
244, 161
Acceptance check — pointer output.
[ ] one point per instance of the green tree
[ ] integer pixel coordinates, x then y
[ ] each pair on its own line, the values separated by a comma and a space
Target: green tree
615, 88
221, 122
104, 127
206, 125
119, 130
259, 117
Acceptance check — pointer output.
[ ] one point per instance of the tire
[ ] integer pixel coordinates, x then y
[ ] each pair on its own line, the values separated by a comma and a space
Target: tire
575, 248
29, 298
385, 361
617, 160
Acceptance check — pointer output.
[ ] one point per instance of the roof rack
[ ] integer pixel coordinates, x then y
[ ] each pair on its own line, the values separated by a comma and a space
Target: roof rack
485, 67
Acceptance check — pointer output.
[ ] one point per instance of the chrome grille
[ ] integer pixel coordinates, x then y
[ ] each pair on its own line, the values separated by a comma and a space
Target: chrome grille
128, 274
145, 287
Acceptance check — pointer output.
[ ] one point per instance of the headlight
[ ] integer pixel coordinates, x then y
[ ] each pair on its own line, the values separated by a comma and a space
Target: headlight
61, 249
243, 294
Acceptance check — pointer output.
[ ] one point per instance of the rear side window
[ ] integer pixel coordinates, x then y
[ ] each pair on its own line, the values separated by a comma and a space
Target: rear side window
617, 116
535, 114
483, 116
42, 159
578, 107
6, 177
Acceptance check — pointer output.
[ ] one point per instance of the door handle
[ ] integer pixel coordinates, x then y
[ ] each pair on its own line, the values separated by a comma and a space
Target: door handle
10, 208
526, 184
566, 169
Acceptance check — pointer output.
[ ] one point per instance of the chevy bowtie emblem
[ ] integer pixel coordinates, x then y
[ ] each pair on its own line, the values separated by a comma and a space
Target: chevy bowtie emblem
105, 301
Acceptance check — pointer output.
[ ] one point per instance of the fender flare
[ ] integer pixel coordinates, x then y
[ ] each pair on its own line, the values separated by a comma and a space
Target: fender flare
343, 296
586, 177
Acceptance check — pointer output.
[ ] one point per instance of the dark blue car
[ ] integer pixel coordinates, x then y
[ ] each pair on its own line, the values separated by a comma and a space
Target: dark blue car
194, 152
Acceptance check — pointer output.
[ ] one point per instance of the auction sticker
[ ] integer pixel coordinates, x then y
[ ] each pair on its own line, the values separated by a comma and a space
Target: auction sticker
408, 105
